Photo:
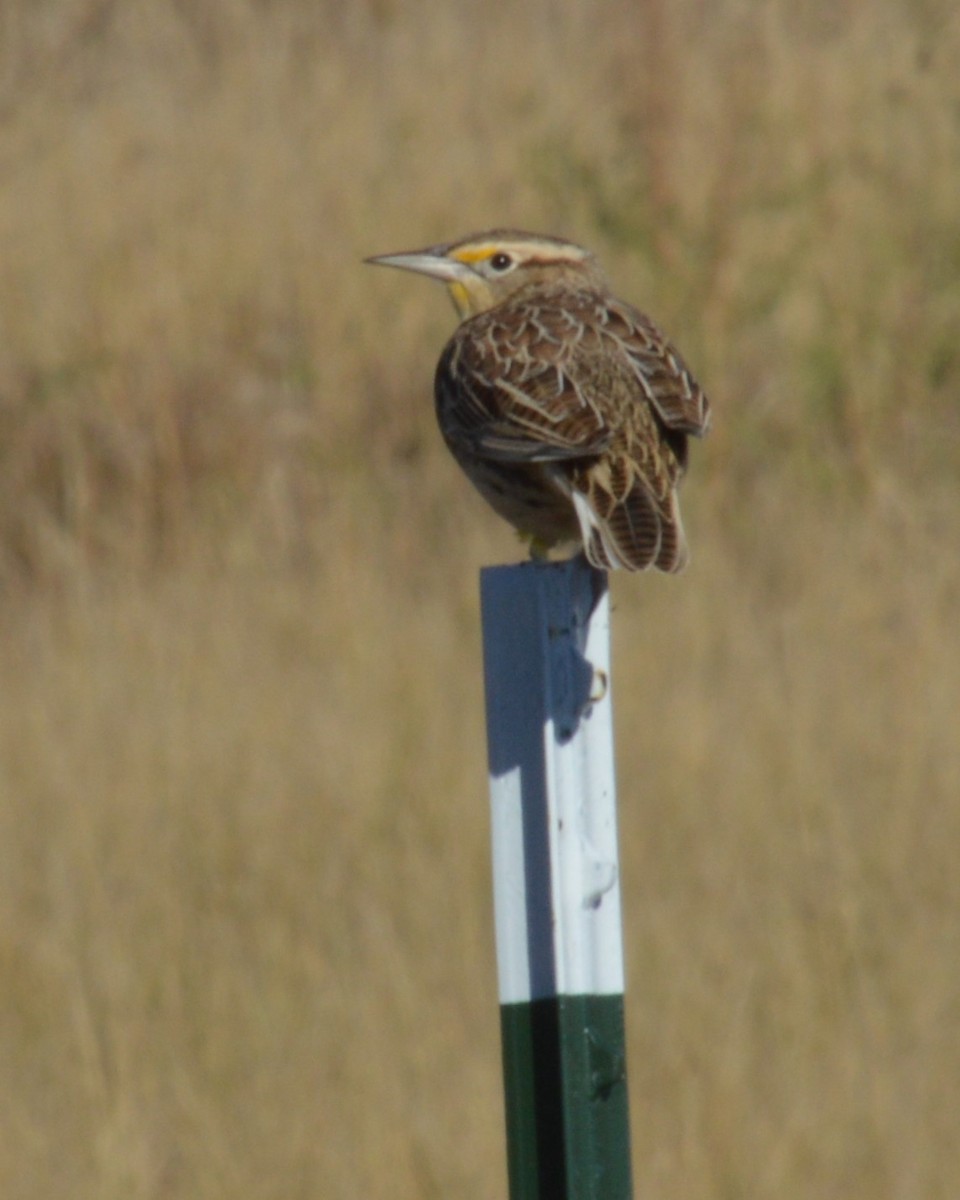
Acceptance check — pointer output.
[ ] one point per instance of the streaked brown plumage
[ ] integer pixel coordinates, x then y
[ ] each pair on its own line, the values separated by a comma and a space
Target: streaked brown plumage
567, 408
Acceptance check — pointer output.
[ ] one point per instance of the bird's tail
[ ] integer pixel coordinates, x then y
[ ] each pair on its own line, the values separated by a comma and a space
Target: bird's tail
636, 533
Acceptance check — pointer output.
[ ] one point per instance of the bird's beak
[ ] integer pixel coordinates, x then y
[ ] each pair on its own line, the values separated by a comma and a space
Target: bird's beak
424, 262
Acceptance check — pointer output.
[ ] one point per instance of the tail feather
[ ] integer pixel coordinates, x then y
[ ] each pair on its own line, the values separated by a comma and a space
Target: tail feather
673, 555
637, 533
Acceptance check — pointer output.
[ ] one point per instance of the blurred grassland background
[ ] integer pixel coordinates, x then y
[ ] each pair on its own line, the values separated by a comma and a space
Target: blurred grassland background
245, 929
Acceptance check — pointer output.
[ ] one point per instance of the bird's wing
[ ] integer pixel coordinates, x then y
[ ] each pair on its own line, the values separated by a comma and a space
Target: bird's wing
664, 377
510, 386
540, 420
532, 380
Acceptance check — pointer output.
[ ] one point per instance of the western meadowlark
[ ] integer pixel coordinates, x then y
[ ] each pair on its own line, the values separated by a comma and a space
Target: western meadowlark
567, 408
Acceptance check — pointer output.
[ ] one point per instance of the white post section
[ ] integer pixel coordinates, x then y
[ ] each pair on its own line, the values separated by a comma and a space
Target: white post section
552, 783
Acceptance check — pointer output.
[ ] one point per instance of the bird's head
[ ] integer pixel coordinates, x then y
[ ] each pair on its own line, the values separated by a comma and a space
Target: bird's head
484, 269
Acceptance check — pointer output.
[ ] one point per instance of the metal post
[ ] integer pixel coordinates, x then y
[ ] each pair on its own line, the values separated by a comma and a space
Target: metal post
556, 880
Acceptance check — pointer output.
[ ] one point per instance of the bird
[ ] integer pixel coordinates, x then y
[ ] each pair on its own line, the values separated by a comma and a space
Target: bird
566, 407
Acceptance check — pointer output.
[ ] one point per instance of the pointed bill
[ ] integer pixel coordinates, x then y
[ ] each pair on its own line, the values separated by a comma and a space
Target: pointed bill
423, 262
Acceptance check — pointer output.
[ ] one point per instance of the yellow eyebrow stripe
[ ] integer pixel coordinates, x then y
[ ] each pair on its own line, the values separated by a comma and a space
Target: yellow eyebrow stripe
473, 254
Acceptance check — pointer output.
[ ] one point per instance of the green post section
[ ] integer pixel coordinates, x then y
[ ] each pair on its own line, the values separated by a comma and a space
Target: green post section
565, 1074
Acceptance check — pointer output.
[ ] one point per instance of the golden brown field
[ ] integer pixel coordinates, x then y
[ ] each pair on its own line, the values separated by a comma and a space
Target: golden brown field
245, 930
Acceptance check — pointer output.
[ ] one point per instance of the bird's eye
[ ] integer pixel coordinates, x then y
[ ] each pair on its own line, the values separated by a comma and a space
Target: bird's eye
501, 261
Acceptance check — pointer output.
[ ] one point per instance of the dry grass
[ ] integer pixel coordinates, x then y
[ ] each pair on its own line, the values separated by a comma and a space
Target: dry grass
244, 893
